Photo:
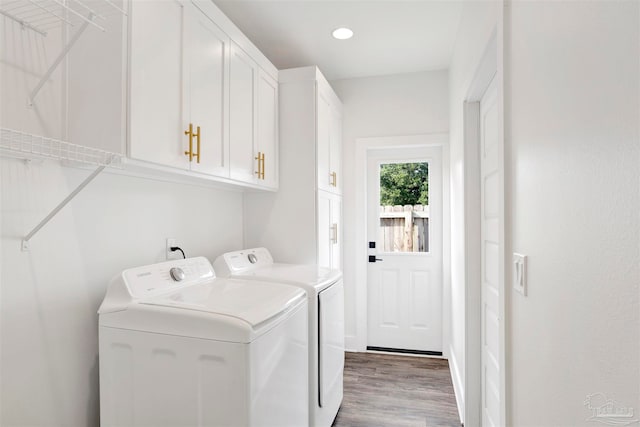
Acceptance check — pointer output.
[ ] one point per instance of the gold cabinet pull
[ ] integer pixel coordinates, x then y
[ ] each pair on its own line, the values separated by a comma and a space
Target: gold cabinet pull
259, 159
334, 179
189, 132
334, 234
262, 160
197, 155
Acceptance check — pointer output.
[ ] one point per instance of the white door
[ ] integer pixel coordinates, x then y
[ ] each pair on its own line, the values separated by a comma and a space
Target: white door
490, 257
268, 129
207, 65
157, 84
242, 112
323, 129
329, 230
404, 281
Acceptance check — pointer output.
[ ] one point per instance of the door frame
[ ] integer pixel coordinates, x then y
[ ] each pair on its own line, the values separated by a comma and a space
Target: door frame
363, 145
490, 68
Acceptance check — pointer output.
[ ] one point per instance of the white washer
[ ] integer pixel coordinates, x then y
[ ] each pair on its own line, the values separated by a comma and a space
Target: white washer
180, 347
325, 293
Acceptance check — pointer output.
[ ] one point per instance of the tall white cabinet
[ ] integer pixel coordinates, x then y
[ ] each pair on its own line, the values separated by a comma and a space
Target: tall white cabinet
302, 222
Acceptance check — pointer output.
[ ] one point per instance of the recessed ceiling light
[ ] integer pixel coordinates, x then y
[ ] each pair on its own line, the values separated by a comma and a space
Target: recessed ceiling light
342, 33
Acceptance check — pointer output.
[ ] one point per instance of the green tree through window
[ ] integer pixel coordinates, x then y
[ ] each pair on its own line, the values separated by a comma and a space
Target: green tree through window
404, 184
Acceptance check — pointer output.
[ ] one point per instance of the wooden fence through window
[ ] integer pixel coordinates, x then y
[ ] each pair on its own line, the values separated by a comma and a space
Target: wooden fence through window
404, 228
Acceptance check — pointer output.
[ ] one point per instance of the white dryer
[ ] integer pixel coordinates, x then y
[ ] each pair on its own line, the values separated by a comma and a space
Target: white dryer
180, 347
325, 293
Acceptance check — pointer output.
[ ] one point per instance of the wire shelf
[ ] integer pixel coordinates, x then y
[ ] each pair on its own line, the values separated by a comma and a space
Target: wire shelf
12, 141
43, 16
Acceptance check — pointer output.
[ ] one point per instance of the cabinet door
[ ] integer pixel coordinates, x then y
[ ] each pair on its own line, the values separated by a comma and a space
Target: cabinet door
242, 124
207, 65
336, 230
335, 150
323, 121
324, 229
268, 128
156, 83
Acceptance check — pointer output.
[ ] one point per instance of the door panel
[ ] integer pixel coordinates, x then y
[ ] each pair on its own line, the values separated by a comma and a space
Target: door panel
404, 288
331, 357
324, 229
207, 58
268, 127
323, 127
242, 113
336, 230
335, 149
156, 84
490, 259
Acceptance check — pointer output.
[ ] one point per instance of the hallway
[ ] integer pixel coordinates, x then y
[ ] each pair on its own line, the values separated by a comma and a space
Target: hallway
386, 390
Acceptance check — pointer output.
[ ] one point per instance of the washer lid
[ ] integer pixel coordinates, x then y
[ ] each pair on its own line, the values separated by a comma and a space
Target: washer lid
310, 277
252, 302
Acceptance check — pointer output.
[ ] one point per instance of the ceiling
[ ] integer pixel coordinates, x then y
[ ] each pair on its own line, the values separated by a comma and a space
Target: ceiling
391, 37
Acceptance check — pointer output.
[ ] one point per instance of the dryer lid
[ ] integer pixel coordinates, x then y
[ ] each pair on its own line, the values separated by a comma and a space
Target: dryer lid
310, 277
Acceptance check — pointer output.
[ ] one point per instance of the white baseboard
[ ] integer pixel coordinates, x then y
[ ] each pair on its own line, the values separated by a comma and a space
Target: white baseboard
351, 343
458, 385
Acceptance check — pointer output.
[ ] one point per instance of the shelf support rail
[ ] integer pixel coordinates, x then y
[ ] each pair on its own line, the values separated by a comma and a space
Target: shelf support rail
61, 56
74, 193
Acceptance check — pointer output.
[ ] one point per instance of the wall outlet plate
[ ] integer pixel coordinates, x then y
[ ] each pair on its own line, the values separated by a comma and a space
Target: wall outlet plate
520, 273
170, 243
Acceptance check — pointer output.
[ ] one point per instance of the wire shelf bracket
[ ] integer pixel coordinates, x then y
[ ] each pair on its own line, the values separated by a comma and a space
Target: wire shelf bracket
42, 16
57, 61
26, 146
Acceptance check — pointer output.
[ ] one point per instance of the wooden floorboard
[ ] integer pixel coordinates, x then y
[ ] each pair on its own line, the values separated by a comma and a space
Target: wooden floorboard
396, 391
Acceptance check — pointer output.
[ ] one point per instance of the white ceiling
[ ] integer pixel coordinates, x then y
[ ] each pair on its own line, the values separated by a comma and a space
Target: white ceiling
390, 36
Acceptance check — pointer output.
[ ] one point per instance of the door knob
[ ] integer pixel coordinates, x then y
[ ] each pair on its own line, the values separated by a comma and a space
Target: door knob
372, 258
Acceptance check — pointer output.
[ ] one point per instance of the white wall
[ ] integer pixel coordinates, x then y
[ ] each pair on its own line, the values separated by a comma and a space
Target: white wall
49, 296
573, 114
405, 104
477, 24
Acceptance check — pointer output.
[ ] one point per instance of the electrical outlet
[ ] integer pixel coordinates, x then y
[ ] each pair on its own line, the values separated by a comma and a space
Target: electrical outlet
170, 243
520, 273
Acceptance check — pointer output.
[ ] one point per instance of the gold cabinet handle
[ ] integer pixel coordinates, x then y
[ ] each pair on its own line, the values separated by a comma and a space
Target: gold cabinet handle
197, 155
334, 234
259, 159
189, 132
262, 166
334, 179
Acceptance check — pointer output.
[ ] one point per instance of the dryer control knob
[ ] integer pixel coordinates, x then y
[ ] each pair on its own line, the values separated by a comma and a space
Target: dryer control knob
252, 258
177, 274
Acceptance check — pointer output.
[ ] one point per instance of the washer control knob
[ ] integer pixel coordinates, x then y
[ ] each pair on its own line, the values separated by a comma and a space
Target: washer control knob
252, 258
177, 274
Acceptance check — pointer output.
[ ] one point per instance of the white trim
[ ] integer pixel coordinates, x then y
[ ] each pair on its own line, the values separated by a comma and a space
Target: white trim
359, 342
458, 384
489, 68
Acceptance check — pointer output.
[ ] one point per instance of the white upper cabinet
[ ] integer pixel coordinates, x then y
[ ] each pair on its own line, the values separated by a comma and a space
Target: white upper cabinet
178, 88
253, 122
207, 94
157, 83
329, 139
202, 97
268, 130
242, 113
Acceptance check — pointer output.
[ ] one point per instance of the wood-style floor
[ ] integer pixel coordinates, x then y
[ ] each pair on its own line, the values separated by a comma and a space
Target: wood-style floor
387, 391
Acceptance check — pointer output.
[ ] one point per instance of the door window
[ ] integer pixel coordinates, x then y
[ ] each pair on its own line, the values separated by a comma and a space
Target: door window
404, 207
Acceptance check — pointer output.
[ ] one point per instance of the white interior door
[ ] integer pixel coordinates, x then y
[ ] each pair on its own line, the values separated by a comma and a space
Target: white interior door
404, 284
490, 258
